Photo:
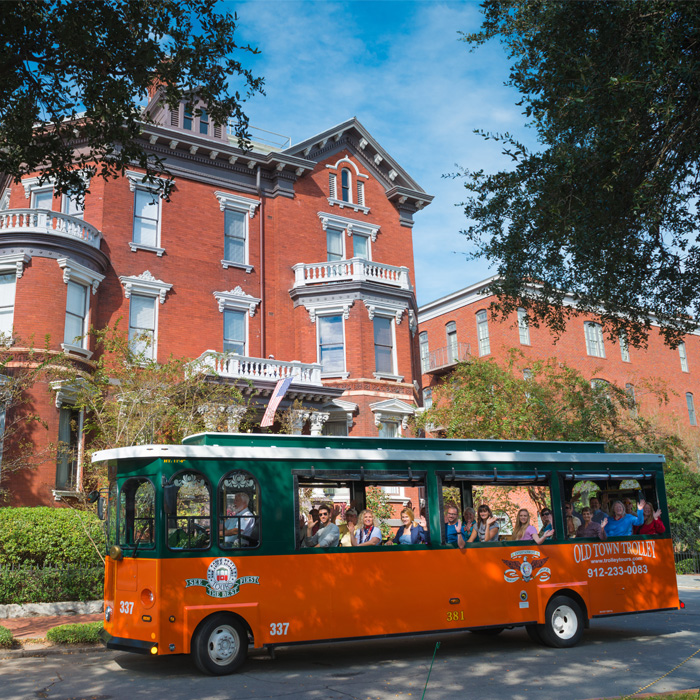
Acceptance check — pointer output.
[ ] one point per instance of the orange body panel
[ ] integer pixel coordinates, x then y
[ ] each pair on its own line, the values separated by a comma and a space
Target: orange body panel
340, 594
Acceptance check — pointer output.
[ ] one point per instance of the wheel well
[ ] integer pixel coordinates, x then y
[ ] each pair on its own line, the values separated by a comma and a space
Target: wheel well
225, 613
574, 596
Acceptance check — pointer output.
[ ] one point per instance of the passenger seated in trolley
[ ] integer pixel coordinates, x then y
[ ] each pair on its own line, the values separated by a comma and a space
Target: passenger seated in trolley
590, 528
454, 529
524, 531
621, 523
487, 527
368, 533
652, 522
547, 522
327, 534
238, 528
410, 531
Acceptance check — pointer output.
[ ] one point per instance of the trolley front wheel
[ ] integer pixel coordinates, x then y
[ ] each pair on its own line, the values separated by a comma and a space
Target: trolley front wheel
220, 645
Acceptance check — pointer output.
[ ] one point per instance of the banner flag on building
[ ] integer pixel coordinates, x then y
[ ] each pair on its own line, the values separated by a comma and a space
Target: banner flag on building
275, 399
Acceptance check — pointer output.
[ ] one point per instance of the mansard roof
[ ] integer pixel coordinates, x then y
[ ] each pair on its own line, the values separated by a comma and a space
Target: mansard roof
400, 186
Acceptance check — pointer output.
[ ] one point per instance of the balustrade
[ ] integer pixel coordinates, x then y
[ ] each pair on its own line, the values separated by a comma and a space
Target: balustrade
48, 222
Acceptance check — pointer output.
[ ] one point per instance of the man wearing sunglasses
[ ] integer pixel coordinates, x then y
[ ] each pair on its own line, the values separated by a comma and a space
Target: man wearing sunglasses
327, 534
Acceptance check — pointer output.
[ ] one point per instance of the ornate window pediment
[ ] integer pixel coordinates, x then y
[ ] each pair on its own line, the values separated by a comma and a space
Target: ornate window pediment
237, 299
145, 284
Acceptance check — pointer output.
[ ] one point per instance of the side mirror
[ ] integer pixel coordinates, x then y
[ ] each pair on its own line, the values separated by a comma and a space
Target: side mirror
101, 508
170, 498
93, 496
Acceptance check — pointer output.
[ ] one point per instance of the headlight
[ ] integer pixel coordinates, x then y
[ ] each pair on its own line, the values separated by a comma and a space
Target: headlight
115, 552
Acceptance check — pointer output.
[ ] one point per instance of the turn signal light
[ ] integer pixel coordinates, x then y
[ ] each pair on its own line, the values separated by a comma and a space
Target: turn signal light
154, 649
682, 604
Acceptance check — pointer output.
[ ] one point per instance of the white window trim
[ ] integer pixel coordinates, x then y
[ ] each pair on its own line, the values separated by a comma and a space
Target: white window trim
624, 348
243, 204
381, 313
14, 263
136, 182
69, 275
483, 323
145, 284
31, 185
424, 361
338, 310
356, 180
5, 200
343, 254
350, 226
392, 411
683, 355
73, 271
66, 394
600, 342
369, 244
238, 300
319, 308
523, 327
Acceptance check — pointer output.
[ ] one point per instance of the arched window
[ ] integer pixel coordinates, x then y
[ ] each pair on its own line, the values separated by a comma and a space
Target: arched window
482, 332
345, 185
239, 511
188, 503
424, 351
452, 349
690, 402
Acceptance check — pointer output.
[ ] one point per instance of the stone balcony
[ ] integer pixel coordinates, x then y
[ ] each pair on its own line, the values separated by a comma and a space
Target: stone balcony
52, 223
231, 366
354, 269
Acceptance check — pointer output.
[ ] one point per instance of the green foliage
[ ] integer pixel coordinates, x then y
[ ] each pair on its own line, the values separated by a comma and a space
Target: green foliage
377, 501
77, 633
604, 207
100, 57
27, 585
131, 399
451, 495
6, 638
483, 399
57, 536
686, 566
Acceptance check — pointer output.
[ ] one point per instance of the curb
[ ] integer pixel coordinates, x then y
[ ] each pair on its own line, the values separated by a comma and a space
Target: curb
12, 610
46, 649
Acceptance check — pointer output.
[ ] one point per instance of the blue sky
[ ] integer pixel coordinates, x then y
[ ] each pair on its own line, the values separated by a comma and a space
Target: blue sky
400, 68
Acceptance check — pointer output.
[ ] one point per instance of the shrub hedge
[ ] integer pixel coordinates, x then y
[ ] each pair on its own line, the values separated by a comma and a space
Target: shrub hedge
57, 536
26, 585
6, 639
77, 633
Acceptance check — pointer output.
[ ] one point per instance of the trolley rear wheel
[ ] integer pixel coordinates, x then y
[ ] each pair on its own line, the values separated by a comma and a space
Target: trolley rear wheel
564, 622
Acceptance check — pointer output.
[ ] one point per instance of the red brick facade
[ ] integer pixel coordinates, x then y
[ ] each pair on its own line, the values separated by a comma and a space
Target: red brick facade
657, 363
288, 204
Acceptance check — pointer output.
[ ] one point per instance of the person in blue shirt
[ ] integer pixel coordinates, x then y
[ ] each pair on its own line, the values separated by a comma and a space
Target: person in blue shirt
410, 532
454, 529
620, 524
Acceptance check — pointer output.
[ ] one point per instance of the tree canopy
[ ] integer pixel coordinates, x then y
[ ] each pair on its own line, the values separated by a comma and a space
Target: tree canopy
76, 74
605, 207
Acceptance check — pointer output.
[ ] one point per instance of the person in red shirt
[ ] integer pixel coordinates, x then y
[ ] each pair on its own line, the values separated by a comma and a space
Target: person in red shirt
652, 522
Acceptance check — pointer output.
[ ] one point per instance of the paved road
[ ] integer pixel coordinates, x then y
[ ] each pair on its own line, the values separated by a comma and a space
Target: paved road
617, 656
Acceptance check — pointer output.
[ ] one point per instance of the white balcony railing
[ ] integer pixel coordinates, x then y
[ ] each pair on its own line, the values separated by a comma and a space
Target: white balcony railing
50, 222
232, 366
352, 269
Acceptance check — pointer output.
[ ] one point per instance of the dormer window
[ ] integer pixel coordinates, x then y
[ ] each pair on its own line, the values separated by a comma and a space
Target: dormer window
346, 186
204, 123
187, 118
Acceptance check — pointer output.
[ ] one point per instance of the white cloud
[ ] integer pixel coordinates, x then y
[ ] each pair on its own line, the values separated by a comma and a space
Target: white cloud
399, 68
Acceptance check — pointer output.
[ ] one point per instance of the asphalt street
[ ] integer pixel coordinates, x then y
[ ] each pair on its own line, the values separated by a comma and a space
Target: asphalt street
617, 656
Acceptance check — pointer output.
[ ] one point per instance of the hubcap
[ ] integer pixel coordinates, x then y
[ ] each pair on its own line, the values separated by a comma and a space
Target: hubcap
564, 622
223, 644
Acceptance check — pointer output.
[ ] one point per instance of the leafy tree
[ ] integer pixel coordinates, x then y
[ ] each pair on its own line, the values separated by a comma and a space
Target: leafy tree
377, 501
130, 399
605, 208
76, 73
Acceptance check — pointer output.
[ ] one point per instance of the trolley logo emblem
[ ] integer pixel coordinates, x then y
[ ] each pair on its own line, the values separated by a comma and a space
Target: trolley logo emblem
222, 579
526, 570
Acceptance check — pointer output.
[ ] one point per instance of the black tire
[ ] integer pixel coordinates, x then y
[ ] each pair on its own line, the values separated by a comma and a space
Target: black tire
533, 631
564, 623
488, 631
219, 645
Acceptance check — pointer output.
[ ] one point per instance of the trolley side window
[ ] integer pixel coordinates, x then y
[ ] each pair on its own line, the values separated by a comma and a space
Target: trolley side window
614, 497
239, 511
513, 503
189, 526
137, 513
111, 520
348, 494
